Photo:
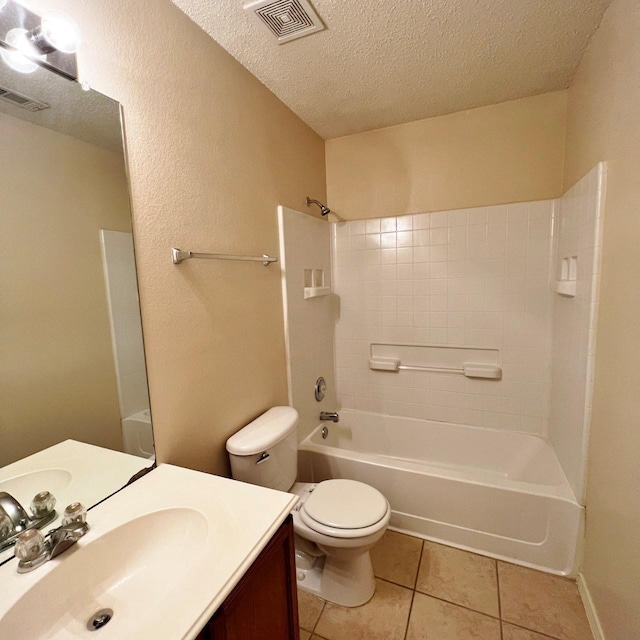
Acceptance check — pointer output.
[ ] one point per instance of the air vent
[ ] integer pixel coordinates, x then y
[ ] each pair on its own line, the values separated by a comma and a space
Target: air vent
21, 101
286, 19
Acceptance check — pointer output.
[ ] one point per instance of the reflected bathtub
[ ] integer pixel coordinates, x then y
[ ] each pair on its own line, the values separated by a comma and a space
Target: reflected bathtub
499, 493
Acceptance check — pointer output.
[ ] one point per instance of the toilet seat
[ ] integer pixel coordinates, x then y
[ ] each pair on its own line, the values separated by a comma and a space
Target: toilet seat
345, 509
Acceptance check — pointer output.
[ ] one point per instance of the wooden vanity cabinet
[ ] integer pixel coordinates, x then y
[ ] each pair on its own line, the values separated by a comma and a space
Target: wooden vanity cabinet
264, 604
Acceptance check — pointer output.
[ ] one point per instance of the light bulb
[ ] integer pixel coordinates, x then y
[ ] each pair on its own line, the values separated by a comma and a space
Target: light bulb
17, 60
57, 33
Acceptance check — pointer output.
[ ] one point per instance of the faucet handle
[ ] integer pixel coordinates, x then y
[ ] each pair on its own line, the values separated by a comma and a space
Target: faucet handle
75, 512
6, 524
30, 545
42, 504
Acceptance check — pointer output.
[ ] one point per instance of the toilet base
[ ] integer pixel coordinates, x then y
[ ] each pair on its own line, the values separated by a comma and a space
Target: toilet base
347, 581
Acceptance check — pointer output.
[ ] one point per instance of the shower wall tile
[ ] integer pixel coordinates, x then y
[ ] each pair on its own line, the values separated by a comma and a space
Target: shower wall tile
473, 277
578, 232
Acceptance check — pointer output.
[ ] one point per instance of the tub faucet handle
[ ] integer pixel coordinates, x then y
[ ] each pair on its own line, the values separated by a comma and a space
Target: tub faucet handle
329, 416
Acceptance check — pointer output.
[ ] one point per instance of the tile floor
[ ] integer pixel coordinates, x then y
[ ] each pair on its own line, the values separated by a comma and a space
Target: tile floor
428, 591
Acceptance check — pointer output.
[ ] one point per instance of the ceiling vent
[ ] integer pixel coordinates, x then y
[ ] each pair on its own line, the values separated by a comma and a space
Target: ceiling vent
21, 101
286, 19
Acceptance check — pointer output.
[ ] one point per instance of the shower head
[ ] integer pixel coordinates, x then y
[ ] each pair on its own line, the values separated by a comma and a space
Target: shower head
323, 210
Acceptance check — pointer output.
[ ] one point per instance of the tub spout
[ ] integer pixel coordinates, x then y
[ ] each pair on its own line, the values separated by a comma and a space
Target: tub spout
331, 416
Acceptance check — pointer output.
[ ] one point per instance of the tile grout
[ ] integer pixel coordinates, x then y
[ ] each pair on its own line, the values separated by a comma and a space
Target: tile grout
519, 626
413, 591
495, 562
324, 604
455, 604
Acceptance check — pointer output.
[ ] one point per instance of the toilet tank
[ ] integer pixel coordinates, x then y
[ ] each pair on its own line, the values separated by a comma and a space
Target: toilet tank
265, 452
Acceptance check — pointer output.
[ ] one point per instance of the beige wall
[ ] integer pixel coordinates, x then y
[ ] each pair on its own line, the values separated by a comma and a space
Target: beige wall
58, 376
509, 152
212, 153
604, 124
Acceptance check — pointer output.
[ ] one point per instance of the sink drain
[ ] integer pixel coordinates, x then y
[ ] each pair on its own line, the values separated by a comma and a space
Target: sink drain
99, 619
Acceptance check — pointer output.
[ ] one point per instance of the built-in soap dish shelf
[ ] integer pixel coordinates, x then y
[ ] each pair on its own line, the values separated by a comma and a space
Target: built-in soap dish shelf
566, 288
314, 284
567, 284
315, 292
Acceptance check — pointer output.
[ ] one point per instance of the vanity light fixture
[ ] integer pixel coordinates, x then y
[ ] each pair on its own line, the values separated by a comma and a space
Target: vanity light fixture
28, 41
16, 58
55, 33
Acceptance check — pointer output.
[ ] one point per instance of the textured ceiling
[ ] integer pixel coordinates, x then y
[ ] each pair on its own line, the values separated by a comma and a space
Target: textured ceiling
86, 115
381, 62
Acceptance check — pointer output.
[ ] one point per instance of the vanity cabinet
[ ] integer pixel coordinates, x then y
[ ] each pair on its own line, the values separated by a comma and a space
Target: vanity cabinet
264, 604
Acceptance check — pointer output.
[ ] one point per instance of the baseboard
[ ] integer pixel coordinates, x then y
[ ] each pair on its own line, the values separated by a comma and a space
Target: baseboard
589, 607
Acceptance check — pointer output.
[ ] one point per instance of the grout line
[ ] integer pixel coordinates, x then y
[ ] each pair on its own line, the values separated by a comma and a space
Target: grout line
519, 626
324, 604
499, 599
413, 592
415, 582
455, 604
406, 628
395, 584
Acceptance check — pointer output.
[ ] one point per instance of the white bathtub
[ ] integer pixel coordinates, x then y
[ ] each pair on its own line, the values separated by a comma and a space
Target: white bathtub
499, 493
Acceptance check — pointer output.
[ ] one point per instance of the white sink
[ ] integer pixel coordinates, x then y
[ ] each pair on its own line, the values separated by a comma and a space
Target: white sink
27, 485
161, 555
72, 471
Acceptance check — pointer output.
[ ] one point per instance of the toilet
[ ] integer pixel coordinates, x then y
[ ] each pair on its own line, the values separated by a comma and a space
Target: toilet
336, 522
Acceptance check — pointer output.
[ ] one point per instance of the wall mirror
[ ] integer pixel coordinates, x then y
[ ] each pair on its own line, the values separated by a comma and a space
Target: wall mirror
73, 382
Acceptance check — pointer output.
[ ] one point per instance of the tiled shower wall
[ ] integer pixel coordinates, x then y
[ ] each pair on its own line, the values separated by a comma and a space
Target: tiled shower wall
579, 215
476, 277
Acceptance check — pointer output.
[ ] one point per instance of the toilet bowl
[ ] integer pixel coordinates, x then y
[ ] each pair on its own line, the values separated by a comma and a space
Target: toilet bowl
332, 561
336, 522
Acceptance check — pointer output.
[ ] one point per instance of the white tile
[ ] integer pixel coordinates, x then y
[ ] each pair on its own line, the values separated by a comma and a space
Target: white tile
372, 226
474, 277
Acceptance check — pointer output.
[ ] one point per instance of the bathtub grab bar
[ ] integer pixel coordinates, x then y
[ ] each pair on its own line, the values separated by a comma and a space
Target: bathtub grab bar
178, 256
468, 369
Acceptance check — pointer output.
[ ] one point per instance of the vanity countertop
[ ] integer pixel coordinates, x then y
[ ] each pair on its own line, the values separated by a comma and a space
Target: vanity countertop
163, 553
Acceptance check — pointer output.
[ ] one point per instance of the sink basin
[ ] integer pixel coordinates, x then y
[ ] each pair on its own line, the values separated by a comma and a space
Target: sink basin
72, 471
23, 487
145, 556
160, 557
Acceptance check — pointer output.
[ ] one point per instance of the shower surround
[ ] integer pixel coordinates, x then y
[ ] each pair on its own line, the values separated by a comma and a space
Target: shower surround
463, 460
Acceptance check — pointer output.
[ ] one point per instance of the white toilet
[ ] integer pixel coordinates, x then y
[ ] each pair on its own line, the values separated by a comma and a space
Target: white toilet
336, 522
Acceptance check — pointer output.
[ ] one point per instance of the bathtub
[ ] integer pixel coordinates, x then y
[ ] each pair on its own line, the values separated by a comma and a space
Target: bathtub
499, 493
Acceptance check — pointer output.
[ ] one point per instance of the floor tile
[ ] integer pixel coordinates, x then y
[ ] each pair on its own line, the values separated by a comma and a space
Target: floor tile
542, 602
396, 558
433, 619
384, 617
460, 577
309, 608
509, 632
304, 635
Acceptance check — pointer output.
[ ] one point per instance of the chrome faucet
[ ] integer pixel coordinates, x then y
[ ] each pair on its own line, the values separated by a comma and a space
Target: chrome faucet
33, 549
329, 416
14, 519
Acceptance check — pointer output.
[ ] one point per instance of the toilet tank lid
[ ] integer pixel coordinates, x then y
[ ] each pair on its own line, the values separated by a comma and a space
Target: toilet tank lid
264, 432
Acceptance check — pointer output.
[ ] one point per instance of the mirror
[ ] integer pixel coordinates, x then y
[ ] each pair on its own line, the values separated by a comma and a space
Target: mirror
73, 368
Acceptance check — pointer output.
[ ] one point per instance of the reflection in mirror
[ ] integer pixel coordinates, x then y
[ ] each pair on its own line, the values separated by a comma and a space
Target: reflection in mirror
74, 386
